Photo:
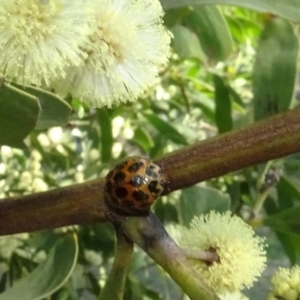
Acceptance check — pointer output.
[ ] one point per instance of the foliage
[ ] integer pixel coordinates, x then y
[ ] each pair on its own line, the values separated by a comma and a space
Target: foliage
229, 67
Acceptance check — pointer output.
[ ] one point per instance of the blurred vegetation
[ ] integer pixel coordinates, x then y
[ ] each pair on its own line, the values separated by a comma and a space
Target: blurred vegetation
230, 67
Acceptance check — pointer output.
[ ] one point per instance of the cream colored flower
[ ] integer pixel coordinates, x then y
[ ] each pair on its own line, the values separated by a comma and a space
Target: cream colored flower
10, 244
236, 296
39, 38
241, 255
175, 231
286, 284
124, 53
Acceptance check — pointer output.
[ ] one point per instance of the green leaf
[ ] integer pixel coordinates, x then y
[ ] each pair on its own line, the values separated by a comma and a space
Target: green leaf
166, 212
289, 9
173, 16
106, 134
287, 191
186, 43
212, 31
290, 244
165, 129
152, 283
289, 241
143, 139
286, 221
157, 149
54, 110
223, 105
275, 68
243, 27
199, 200
18, 115
50, 275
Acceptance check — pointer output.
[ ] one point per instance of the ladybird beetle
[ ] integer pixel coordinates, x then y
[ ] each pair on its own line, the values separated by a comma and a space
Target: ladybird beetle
133, 185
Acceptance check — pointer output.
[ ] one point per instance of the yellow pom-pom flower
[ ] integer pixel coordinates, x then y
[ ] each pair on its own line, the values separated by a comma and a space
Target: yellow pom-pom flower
235, 296
239, 254
286, 284
39, 38
124, 53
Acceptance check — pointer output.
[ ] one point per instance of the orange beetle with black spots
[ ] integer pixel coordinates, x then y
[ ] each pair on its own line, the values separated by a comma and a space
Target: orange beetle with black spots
133, 185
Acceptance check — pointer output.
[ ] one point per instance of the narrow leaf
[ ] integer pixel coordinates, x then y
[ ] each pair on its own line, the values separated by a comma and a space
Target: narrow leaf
286, 221
165, 128
287, 191
289, 9
106, 134
288, 242
223, 105
275, 69
173, 16
18, 115
186, 43
143, 139
212, 31
50, 275
199, 200
54, 110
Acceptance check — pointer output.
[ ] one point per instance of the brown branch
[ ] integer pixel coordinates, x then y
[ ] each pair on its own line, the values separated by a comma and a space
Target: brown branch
76, 204
271, 138
80, 204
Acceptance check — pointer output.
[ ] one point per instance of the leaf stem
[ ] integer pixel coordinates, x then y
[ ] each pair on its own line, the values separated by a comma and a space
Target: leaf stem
260, 202
115, 284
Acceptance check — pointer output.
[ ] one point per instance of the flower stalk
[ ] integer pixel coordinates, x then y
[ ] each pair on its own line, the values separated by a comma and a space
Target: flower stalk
207, 257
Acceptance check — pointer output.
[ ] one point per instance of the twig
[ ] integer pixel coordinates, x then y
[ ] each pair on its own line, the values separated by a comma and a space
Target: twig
115, 284
81, 204
151, 236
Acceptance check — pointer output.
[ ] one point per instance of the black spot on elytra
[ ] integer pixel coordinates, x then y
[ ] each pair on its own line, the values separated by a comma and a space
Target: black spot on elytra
121, 192
150, 172
137, 180
140, 196
119, 177
135, 167
154, 187
122, 165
